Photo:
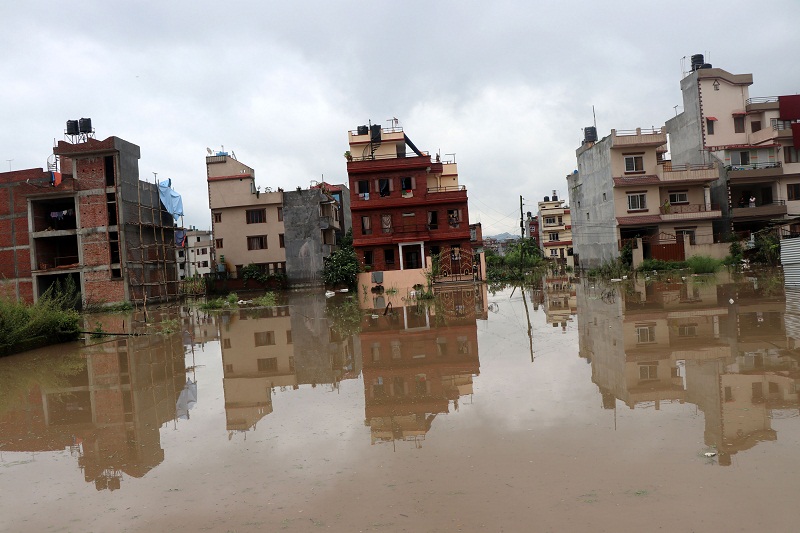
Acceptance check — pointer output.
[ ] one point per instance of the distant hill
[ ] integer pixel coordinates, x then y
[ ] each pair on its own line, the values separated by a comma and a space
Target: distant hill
504, 236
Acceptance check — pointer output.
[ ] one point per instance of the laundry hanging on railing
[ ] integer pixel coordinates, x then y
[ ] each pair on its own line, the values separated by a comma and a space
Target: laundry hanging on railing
59, 215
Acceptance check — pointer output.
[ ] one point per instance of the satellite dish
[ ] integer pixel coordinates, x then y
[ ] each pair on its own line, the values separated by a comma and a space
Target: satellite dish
209, 151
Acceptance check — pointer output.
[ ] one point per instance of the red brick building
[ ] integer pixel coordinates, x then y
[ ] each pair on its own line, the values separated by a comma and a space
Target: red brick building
90, 219
406, 206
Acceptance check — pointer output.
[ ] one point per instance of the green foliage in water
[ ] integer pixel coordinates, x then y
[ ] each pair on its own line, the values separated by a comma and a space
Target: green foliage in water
342, 267
50, 320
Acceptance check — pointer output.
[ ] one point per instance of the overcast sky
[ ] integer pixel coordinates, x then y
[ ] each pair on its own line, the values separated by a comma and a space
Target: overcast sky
506, 86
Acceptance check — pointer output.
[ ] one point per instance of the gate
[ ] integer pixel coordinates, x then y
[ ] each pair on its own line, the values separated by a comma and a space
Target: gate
455, 263
666, 247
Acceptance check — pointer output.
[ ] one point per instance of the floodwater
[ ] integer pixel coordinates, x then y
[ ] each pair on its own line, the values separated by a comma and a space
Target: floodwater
661, 404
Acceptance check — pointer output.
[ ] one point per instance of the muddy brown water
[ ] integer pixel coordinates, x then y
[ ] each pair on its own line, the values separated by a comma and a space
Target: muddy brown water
656, 405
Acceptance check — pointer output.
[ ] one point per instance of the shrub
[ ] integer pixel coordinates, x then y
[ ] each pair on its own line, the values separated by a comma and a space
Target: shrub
701, 264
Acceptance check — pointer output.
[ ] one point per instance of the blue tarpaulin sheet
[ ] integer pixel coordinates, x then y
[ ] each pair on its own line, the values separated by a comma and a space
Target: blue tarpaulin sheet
172, 200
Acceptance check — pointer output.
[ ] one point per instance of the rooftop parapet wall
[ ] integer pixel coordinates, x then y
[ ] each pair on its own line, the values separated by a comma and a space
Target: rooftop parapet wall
638, 137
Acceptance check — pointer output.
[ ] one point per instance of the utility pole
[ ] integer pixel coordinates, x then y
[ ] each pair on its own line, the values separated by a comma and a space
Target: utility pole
522, 241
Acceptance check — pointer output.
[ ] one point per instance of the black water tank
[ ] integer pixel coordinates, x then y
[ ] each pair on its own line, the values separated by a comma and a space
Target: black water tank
546, 198
85, 125
697, 60
555, 198
72, 127
375, 133
589, 134
362, 130
705, 65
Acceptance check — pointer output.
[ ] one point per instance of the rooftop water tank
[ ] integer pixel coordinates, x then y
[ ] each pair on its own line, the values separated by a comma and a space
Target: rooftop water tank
72, 127
589, 134
85, 125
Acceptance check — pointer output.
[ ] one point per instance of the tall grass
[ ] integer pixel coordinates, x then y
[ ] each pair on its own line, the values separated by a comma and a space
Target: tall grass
50, 320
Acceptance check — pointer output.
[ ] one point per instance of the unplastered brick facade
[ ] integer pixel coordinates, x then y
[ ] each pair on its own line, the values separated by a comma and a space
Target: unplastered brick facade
88, 219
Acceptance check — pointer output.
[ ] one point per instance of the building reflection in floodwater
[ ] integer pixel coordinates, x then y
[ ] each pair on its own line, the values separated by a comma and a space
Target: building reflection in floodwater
419, 357
720, 344
278, 349
104, 402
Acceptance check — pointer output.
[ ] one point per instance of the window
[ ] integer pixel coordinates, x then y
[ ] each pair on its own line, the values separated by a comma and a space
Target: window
790, 154
218, 243
553, 252
728, 394
197, 239
384, 186
648, 371
687, 330
257, 242
368, 257
228, 369
217, 217
280, 213
738, 124
388, 256
710, 126
773, 387
203, 251
678, 197
634, 163
256, 216
362, 186
679, 233
386, 223
740, 158
181, 254
204, 264
793, 191
264, 338
226, 343
454, 217
406, 184
645, 334
268, 364
288, 336
553, 236
366, 226
755, 126
433, 219
637, 201
549, 221
281, 240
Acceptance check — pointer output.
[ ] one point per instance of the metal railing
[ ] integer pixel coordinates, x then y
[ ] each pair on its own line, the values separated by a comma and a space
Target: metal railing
753, 166
406, 155
761, 100
669, 167
448, 189
638, 131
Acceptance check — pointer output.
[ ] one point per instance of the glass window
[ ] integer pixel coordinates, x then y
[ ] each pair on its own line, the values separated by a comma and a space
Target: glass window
256, 216
634, 163
679, 197
257, 242
637, 202
738, 124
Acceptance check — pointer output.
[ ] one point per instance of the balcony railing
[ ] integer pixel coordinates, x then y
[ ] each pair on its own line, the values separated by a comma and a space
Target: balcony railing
762, 100
687, 208
753, 166
374, 157
447, 189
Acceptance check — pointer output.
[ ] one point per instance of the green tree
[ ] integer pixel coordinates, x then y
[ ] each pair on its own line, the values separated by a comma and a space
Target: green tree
342, 267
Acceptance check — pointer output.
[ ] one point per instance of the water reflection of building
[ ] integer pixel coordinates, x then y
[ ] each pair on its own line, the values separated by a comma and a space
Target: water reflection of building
559, 298
105, 403
283, 347
683, 340
418, 359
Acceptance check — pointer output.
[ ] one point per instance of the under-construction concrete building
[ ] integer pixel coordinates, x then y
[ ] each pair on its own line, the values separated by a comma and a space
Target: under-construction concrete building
90, 218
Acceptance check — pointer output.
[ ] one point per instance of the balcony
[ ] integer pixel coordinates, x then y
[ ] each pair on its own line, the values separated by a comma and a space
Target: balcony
689, 212
763, 103
386, 163
775, 209
446, 194
673, 174
638, 137
755, 170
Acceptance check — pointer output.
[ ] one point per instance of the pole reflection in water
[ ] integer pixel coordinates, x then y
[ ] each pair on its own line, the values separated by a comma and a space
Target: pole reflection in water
719, 344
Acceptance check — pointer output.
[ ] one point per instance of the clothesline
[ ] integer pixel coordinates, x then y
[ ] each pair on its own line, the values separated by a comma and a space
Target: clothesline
58, 215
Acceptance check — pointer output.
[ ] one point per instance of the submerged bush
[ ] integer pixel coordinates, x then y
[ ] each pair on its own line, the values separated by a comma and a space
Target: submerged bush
50, 320
701, 264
